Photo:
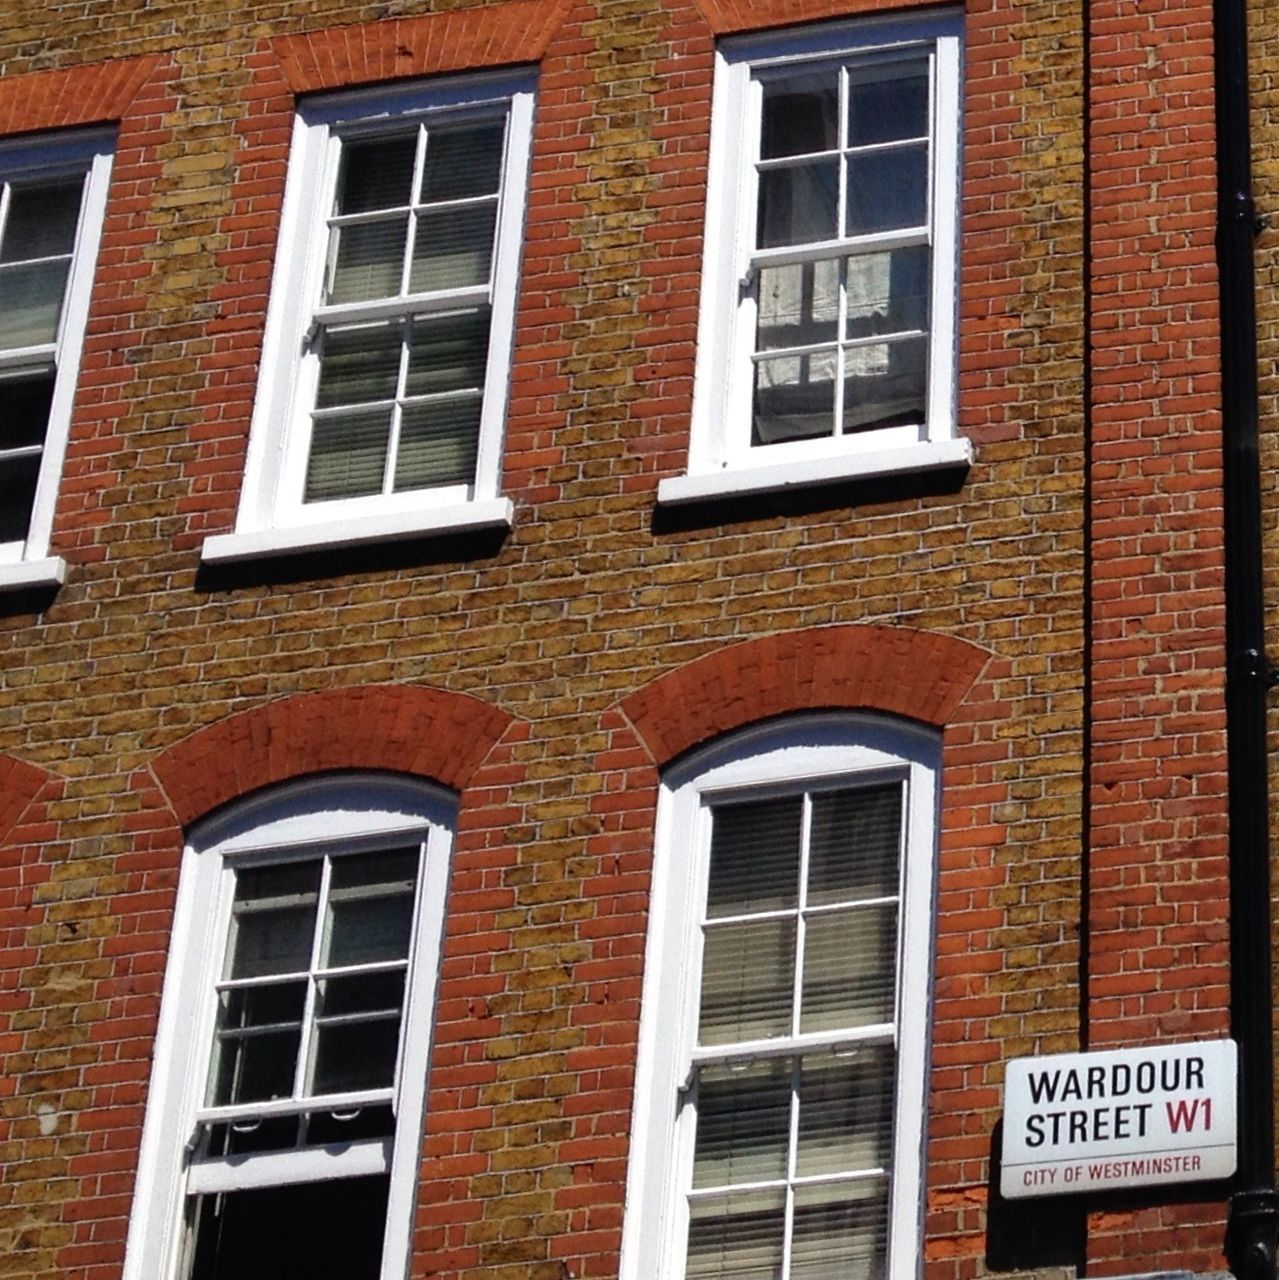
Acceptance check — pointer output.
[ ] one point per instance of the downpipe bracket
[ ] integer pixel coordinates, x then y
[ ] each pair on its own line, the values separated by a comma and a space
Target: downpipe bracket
1251, 1233
1253, 667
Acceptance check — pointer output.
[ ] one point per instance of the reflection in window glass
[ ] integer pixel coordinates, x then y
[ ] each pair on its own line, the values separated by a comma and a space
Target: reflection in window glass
844, 163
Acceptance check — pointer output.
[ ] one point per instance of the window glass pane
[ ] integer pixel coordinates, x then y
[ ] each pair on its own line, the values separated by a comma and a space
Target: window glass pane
850, 960
359, 366
273, 919
888, 190
886, 384
24, 408
743, 1123
348, 455
798, 204
240, 1138
355, 1055
350, 1124
800, 114
263, 1005
18, 478
257, 1068
794, 398
439, 443
887, 101
315, 1229
370, 912
355, 994
31, 302
448, 352
365, 930
376, 174
256, 1043
42, 220
846, 1112
357, 1031
454, 248
755, 857
853, 844
840, 1231
368, 259
798, 305
747, 981
737, 1237
462, 161
888, 292
389, 871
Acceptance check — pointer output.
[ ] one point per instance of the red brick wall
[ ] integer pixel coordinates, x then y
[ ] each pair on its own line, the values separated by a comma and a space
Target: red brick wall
549, 679
1264, 80
1157, 885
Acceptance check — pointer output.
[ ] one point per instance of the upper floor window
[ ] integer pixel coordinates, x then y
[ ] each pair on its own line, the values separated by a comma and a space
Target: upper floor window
52, 200
387, 356
286, 1103
829, 284
778, 1116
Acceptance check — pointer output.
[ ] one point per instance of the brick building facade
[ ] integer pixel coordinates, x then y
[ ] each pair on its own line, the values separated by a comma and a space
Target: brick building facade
1007, 588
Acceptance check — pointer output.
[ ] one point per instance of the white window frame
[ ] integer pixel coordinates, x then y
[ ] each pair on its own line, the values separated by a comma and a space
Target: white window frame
774, 759
722, 461
26, 562
348, 813
272, 517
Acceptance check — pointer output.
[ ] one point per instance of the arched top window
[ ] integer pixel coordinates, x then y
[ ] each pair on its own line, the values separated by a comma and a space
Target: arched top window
290, 1073
778, 1121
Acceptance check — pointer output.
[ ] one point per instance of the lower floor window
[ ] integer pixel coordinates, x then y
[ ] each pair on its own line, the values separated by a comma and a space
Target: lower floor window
286, 1119
783, 1074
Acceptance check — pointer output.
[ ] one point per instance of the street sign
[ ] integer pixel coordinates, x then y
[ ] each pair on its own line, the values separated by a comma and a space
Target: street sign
1118, 1118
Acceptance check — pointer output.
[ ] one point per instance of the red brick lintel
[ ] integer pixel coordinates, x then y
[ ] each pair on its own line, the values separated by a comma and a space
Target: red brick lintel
462, 40
66, 98
398, 728
919, 675
19, 784
726, 17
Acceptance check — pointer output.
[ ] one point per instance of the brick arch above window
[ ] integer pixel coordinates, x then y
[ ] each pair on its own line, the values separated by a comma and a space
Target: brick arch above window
469, 39
20, 783
728, 17
919, 675
404, 728
66, 97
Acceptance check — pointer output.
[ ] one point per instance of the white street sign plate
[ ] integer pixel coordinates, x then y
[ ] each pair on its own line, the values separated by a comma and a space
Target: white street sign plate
1118, 1118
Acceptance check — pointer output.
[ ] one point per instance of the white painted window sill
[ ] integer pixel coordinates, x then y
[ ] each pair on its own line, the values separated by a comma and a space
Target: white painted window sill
779, 476
228, 548
51, 571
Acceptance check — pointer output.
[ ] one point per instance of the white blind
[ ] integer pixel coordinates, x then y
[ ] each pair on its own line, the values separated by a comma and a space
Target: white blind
398, 401
793, 1149
37, 239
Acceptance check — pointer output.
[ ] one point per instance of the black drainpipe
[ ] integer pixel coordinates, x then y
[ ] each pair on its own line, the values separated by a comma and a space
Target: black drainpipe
1254, 1206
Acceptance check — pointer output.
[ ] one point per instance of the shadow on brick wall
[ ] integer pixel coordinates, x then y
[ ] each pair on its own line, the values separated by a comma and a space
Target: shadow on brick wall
804, 500
1022, 1235
336, 562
